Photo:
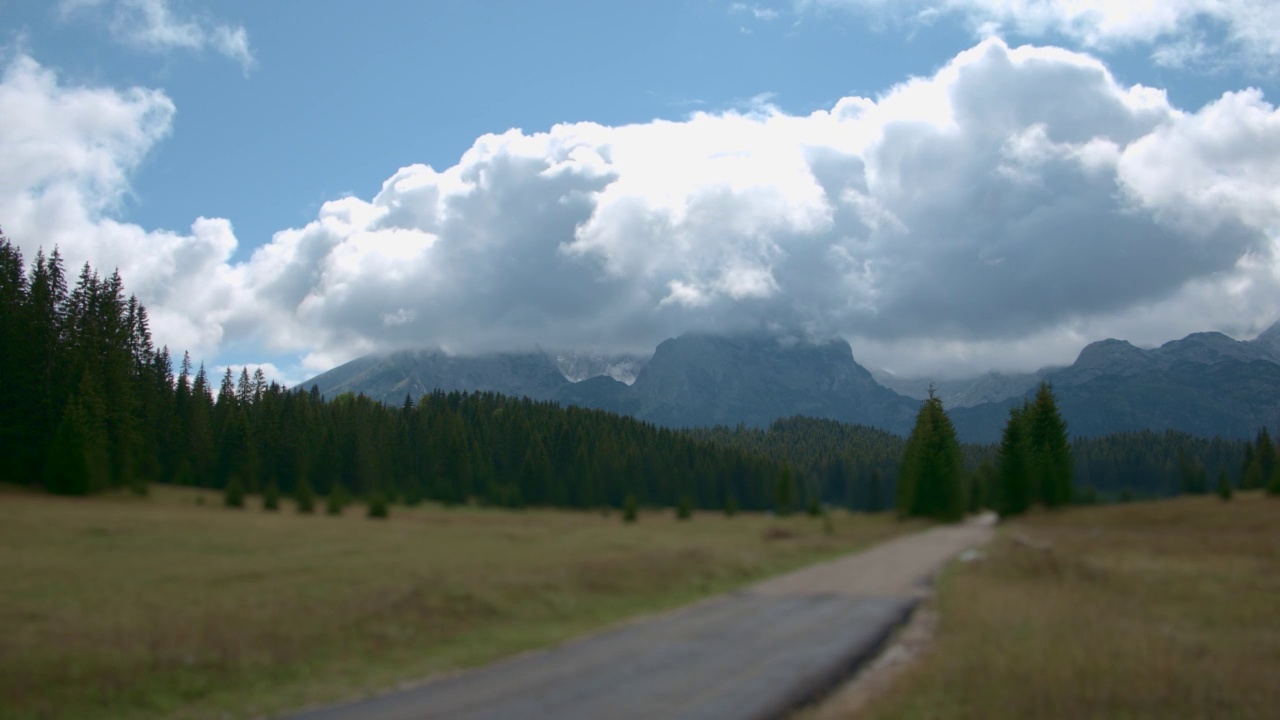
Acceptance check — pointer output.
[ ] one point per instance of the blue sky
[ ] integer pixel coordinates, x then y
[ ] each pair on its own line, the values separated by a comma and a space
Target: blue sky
261, 113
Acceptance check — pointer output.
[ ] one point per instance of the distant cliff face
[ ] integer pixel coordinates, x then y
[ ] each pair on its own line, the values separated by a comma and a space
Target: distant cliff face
577, 367
1206, 383
693, 380
699, 380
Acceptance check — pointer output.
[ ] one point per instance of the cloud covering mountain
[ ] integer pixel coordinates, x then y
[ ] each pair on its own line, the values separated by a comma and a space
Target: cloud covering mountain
998, 213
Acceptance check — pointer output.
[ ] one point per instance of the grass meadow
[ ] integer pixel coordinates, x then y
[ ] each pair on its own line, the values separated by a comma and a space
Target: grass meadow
171, 606
1151, 610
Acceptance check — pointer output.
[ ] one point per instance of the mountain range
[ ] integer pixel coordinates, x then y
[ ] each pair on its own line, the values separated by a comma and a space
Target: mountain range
1205, 384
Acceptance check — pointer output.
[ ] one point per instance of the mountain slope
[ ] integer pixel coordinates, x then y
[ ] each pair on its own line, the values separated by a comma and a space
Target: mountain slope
388, 378
703, 380
1205, 384
963, 392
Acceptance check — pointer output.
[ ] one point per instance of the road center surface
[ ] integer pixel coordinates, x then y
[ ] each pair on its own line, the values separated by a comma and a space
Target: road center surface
755, 653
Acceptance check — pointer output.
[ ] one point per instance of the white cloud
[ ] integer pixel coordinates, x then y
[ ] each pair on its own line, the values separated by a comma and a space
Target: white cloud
153, 26
1001, 213
756, 11
1175, 28
66, 154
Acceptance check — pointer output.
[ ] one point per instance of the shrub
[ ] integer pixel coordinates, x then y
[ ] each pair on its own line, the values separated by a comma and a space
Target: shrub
305, 497
234, 497
378, 506
271, 497
337, 500
1225, 491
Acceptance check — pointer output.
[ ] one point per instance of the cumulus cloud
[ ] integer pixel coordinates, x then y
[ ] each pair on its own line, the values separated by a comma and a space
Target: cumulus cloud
153, 26
1175, 28
1000, 213
66, 155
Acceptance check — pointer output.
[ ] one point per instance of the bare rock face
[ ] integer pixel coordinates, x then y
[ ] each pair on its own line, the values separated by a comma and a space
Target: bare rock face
700, 380
692, 380
577, 367
1206, 384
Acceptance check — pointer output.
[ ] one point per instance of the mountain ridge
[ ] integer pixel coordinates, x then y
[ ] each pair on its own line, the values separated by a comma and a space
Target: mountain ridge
1205, 383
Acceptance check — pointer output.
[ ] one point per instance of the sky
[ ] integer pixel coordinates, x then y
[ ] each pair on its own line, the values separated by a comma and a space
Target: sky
953, 187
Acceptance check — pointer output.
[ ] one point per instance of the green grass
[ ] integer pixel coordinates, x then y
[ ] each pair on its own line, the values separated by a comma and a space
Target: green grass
172, 606
1153, 610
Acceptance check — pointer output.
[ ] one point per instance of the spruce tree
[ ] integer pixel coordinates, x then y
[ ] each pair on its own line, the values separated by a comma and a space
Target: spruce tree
730, 505
1199, 479
813, 507
684, 508
1261, 462
304, 496
1246, 463
1265, 452
535, 475
18, 385
875, 493
1049, 452
784, 491
1225, 490
234, 496
931, 477
336, 501
378, 505
271, 497
1013, 493
982, 486
413, 495
630, 510
78, 455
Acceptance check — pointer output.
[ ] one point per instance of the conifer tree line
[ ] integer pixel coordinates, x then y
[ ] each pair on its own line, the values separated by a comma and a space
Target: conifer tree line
87, 403
852, 466
84, 400
1260, 465
1153, 464
857, 466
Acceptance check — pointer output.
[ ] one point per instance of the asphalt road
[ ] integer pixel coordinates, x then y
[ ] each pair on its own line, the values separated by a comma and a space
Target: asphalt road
756, 653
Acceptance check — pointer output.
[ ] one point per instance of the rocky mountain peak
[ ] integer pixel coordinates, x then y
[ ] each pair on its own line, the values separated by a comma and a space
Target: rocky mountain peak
1110, 354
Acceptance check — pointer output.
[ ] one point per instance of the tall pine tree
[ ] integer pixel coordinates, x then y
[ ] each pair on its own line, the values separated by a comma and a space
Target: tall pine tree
1049, 451
1013, 490
931, 478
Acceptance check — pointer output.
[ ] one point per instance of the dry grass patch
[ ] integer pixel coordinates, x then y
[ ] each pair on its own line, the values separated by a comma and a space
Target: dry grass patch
1168, 609
120, 607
